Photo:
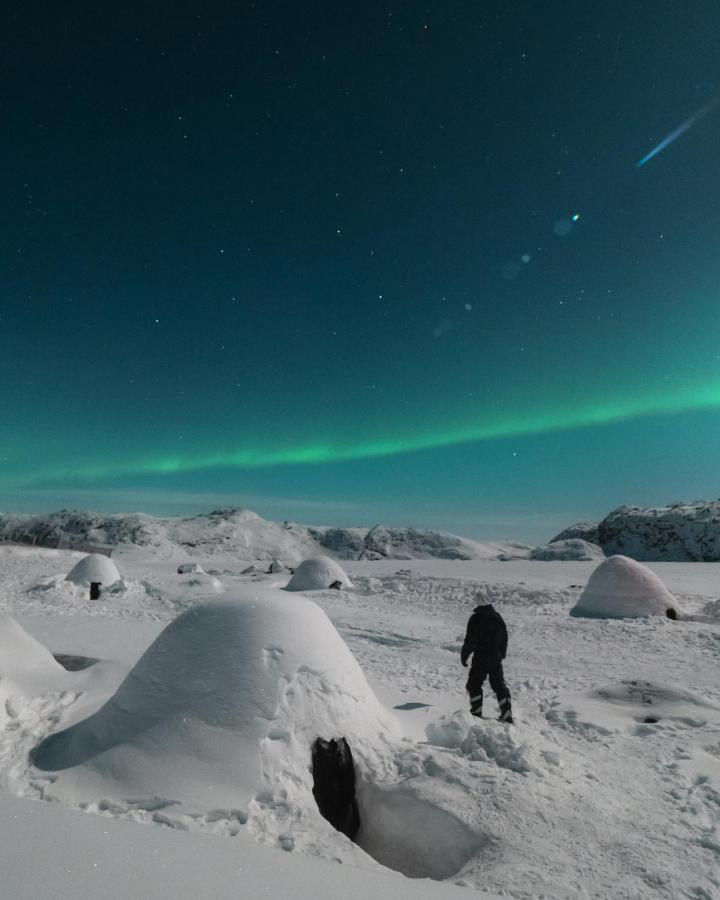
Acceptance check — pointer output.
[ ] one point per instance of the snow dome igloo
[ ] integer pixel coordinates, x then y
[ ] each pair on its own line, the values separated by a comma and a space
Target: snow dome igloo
222, 709
318, 574
622, 588
94, 567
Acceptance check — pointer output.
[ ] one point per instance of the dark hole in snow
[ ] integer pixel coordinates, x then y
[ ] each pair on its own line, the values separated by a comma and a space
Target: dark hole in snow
74, 663
334, 784
412, 706
671, 613
336, 586
397, 828
650, 720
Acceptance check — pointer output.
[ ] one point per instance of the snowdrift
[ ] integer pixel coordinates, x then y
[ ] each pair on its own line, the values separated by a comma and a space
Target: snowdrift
26, 666
622, 588
222, 710
94, 567
318, 574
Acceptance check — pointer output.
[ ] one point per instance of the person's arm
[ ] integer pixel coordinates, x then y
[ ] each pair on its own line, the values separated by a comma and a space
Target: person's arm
469, 644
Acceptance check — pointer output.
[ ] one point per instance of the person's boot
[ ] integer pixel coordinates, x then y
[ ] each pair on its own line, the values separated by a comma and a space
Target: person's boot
505, 711
476, 706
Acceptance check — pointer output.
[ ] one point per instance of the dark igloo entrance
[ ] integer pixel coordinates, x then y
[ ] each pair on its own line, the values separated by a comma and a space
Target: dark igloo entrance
397, 828
333, 771
74, 663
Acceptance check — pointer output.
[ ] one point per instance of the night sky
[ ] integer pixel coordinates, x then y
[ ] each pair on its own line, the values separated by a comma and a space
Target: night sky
346, 263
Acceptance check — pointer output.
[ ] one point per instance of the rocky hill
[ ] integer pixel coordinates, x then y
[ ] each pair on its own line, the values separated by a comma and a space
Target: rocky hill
681, 532
244, 534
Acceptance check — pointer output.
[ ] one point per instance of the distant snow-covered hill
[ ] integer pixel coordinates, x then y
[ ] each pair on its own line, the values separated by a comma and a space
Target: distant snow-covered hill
681, 532
244, 534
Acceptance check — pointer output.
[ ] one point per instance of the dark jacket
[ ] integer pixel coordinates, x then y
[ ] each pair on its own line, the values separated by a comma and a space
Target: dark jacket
486, 635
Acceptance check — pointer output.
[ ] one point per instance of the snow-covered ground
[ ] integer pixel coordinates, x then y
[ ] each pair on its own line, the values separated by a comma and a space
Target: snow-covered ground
608, 785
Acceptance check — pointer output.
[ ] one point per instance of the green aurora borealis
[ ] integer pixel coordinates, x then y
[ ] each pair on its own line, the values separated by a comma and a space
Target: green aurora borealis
352, 265
698, 397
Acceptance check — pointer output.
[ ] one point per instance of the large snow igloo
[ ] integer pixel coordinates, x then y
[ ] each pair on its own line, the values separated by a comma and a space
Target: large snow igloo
318, 574
94, 567
622, 588
222, 709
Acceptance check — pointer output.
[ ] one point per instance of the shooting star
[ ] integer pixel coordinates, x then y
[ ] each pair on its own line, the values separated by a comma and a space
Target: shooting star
674, 135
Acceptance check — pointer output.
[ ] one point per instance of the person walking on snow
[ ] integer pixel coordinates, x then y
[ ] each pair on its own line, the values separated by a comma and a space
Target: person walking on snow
486, 639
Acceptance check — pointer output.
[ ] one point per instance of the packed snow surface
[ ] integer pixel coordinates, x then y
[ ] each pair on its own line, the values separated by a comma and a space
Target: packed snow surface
608, 785
318, 574
621, 588
94, 567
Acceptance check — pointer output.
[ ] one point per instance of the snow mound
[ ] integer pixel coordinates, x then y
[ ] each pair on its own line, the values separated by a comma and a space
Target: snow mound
94, 567
317, 574
27, 668
381, 542
21, 654
622, 588
222, 710
585, 531
490, 743
569, 549
190, 569
630, 707
203, 582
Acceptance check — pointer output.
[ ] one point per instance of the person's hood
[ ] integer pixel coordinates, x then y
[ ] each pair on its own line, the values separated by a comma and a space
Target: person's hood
485, 609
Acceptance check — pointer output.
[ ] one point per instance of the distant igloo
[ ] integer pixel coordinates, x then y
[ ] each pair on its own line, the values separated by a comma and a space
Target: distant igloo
622, 588
318, 574
202, 581
190, 569
94, 567
223, 707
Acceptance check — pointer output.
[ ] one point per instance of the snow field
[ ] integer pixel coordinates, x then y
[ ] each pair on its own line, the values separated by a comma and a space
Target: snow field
581, 798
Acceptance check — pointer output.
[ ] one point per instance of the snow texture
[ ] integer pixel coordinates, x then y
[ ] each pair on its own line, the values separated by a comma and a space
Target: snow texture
584, 531
239, 531
677, 533
681, 532
607, 786
621, 588
94, 567
190, 569
227, 700
569, 549
318, 574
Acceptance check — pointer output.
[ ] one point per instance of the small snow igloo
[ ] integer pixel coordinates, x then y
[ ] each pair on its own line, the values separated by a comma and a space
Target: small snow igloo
621, 588
94, 568
318, 574
224, 707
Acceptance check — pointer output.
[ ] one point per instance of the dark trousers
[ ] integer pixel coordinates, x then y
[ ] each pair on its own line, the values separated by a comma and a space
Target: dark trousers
481, 669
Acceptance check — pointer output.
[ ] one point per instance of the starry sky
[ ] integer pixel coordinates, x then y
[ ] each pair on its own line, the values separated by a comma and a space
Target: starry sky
347, 263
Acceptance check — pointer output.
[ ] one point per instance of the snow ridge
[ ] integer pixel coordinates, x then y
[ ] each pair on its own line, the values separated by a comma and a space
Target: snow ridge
245, 534
680, 532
